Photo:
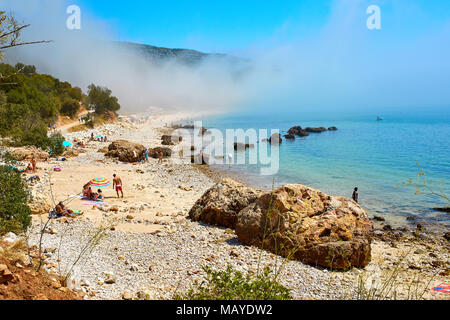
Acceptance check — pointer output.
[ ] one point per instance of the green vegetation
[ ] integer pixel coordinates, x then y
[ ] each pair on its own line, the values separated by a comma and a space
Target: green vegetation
30, 101
14, 195
101, 101
233, 285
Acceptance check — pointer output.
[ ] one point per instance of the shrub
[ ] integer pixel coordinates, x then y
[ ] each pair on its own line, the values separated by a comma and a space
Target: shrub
55, 144
233, 285
70, 108
35, 135
15, 215
101, 100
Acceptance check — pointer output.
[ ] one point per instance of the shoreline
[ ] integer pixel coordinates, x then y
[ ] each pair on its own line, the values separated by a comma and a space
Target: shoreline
391, 222
154, 246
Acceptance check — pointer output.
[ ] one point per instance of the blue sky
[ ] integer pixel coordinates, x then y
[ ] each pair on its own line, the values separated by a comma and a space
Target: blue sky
205, 24
213, 25
307, 54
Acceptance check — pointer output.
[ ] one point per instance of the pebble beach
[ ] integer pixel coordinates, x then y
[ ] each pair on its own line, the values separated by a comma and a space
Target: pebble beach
149, 249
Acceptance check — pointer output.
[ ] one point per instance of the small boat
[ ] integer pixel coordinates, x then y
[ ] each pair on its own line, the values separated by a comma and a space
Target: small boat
379, 118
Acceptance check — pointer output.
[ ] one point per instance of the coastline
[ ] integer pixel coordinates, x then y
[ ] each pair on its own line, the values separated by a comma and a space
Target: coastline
155, 247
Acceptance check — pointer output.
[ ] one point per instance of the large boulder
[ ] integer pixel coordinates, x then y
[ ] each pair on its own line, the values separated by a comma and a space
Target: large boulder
169, 140
221, 204
40, 203
28, 152
167, 152
298, 131
126, 151
72, 152
302, 223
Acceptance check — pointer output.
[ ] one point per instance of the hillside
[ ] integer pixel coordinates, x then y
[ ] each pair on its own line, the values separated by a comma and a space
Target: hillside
185, 56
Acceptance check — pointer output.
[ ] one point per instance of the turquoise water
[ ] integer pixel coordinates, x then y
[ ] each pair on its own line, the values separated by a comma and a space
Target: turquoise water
375, 156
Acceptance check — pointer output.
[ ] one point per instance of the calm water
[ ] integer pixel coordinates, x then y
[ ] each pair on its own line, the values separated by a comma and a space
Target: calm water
375, 156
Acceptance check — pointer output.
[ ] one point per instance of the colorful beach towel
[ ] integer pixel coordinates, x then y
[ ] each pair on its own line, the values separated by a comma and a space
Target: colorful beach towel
94, 203
443, 287
76, 213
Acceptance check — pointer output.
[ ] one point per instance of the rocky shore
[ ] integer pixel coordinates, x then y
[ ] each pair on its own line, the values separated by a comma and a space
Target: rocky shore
150, 247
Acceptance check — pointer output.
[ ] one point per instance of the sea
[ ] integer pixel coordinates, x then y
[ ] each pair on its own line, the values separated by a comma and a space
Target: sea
388, 160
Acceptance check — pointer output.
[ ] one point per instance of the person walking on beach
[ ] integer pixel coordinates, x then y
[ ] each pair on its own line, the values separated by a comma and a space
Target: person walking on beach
117, 184
355, 195
160, 156
33, 164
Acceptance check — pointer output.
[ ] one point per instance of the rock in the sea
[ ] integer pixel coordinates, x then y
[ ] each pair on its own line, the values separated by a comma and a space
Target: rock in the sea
302, 223
289, 137
275, 139
239, 146
126, 151
221, 204
298, 131
442, 209
316, 130
28, 152
332, 129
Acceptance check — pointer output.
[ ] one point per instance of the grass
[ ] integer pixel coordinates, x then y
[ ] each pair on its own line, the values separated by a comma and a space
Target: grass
231, 284
98, 120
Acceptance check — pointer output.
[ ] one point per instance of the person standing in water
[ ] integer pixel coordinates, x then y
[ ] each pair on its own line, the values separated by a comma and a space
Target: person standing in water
355, 195
117, 184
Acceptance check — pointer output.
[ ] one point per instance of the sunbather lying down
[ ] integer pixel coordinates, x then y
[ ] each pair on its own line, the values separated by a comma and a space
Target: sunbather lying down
62, 211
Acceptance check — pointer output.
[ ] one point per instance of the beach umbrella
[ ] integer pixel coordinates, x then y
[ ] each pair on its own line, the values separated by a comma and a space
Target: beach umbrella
99, 183
66, 144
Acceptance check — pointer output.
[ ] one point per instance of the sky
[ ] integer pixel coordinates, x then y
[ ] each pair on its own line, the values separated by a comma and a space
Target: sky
227, 26
306, 54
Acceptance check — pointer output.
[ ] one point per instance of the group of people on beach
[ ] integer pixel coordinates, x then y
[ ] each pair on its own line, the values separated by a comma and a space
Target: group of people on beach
98, 196
62, 211
31, 168
98, 138
90, 195
146, 153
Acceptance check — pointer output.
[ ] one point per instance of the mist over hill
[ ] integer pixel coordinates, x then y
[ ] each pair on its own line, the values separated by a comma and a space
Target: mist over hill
157, 54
